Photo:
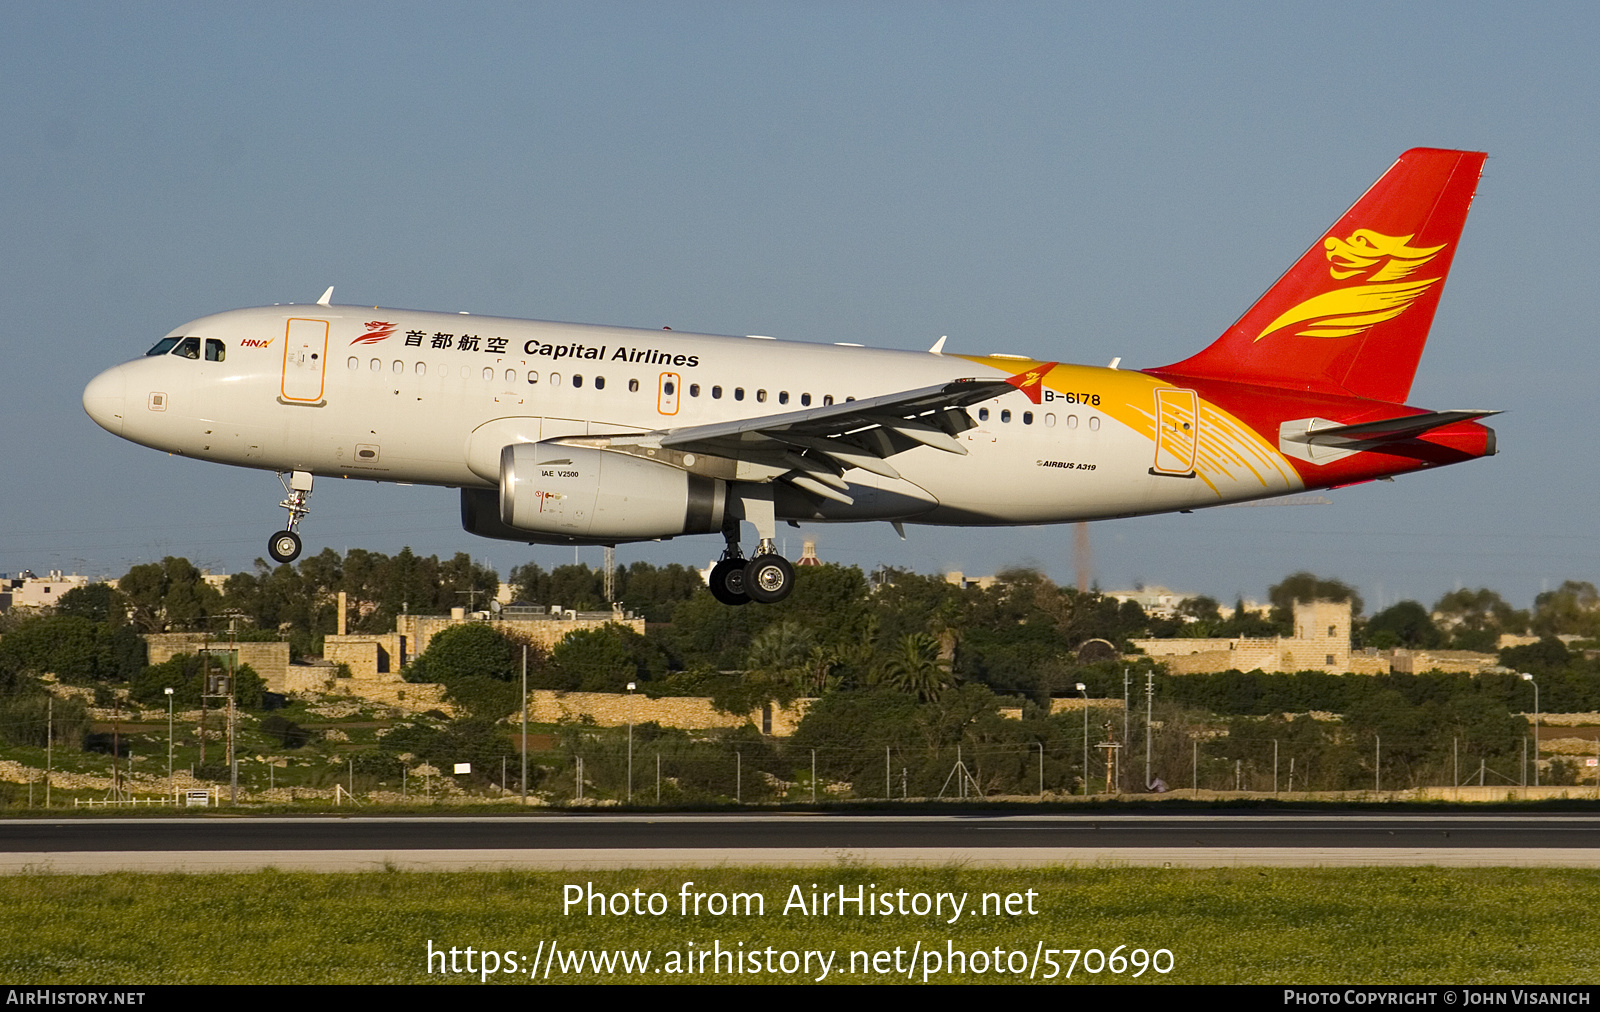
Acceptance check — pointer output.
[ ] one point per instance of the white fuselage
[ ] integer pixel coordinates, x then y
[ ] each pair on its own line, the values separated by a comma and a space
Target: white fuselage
401, 396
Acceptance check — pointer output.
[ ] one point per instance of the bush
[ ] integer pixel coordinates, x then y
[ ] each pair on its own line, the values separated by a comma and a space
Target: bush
478, 666
23, 721
287, 732
185, 674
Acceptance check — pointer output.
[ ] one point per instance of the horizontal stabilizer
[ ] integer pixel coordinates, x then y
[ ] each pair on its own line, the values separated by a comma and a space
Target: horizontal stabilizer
1322, 441
1388, 428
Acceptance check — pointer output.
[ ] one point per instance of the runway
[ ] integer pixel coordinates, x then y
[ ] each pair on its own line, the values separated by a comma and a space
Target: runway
596, 841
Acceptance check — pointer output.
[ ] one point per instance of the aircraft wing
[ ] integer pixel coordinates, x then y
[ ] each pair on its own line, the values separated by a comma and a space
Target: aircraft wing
812, 448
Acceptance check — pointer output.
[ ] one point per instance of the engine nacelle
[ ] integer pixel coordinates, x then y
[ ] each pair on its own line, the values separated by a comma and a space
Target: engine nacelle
600, 495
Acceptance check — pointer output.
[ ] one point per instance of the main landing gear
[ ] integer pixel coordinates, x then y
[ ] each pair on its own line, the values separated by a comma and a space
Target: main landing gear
284, 546
766, 579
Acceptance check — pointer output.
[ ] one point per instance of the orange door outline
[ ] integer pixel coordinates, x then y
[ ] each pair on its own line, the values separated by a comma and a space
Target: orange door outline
305, 360
1177, 432
667, 393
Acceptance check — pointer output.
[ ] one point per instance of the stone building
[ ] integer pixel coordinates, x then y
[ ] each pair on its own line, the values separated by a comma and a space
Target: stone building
380, 656
270, 660
1321, 642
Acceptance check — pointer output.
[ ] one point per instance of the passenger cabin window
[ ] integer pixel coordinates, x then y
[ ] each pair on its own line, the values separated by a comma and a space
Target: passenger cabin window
163, 346
577, 380
783, 397
189, 347
633, 386
533, 377
805, 399
761, 395
738, 393
716, 393
827, 399
599, 382
216, 351
694, 390
983, 414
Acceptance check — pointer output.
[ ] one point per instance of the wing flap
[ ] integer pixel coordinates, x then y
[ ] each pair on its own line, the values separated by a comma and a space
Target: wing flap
816, 445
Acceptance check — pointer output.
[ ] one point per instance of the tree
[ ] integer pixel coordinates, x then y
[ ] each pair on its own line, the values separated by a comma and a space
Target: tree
572, 586
915, 669
171, 594
1201, 615
604, 659
185, 674
1307, 587
655, 591
1476, 618
97, 602
1572, 608
478, 666
1406, 624
59, 645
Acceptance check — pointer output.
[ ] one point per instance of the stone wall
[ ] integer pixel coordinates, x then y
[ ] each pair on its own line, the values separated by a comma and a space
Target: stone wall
1066, 704
690, 713
1417, 662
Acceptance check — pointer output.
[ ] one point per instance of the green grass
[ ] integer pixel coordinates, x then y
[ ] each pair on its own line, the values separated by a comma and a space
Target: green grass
1248, 925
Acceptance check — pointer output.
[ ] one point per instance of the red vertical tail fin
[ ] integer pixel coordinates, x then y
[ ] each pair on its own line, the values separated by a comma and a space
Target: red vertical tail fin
1352, 314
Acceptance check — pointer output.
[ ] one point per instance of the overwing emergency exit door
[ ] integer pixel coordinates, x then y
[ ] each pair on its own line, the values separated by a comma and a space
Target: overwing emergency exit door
667, 393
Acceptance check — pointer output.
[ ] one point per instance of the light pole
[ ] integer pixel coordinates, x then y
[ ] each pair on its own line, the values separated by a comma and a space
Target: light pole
524, 725
1085, 690
630, 741
1529, 679
170, 785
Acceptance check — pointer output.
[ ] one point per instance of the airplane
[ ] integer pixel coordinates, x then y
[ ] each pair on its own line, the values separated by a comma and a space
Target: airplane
560, 433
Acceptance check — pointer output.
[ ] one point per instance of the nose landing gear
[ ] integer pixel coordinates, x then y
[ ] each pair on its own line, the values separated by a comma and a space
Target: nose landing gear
284, 546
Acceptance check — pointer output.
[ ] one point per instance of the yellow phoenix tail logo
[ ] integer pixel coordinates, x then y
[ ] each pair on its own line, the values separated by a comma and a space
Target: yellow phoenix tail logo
1384, 263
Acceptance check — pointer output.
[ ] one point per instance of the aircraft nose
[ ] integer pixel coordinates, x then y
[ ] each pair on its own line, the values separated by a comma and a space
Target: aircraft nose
105, 399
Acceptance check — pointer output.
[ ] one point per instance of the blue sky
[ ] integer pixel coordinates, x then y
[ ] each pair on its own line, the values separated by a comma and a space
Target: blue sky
1070, 182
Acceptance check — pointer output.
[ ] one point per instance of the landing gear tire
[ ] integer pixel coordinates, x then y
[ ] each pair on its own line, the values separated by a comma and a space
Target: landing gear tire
768, 579
284, 546
728, 583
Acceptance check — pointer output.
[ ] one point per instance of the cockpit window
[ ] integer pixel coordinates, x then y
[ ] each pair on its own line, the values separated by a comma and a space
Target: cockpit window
189, 347
216, 351
163, 346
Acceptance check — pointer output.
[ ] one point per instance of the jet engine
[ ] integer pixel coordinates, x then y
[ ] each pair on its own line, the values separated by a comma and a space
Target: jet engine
549, 491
